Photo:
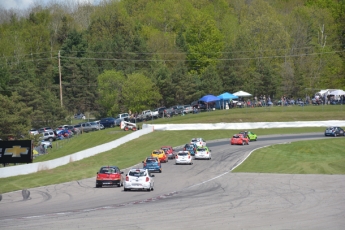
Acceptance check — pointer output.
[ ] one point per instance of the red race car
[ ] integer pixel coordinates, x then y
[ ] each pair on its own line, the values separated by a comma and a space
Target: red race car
109, 175
239, 139
169, 151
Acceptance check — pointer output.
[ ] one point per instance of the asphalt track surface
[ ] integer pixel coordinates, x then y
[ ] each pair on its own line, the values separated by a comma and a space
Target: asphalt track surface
205, 195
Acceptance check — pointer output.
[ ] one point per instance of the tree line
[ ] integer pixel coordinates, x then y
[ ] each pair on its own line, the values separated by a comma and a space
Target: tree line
140, 54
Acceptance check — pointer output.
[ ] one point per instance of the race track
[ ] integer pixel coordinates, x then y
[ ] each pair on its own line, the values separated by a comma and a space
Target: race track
205, 195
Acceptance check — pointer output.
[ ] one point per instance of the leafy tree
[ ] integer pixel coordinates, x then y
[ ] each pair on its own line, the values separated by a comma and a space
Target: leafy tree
14, 117
110, 87
204, 42
140, 93
211, 82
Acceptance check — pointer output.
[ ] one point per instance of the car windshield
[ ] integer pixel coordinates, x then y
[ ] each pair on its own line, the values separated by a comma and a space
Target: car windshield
183, 154
201, 149
151, 160
108, 170
165, 149
156, 152
137, 173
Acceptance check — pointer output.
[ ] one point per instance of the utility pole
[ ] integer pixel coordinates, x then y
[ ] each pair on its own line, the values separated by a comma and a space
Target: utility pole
60, 80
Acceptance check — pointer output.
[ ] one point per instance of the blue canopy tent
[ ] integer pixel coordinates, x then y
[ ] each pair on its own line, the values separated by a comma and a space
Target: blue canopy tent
225, 97
209, 99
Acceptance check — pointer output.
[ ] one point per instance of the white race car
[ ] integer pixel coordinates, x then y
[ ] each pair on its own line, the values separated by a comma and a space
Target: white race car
202, 153
183, 157
198, 141
139, 179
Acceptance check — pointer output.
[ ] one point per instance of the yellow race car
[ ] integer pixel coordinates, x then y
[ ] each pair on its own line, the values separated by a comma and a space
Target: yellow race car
160, 154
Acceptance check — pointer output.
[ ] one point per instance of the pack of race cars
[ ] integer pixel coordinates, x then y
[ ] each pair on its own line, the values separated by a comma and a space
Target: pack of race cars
143, 179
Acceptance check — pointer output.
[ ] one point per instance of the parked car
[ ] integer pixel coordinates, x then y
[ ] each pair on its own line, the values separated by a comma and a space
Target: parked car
33, 132
200, 105
88, 127
108, 122
161, 111
121, 117
188, 109
178, 109
100, 125
44, 129
139, 179
239, 139
48, 136
203, 153
74, 129
183, 157
152, 164
95, 125
79, 116
169, 112
109, 175
334, 131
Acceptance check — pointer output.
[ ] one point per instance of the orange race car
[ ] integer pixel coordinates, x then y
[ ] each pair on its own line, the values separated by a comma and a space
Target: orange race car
239, 139
160, 154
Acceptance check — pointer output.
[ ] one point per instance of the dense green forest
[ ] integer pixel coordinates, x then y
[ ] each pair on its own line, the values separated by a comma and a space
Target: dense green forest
141, 54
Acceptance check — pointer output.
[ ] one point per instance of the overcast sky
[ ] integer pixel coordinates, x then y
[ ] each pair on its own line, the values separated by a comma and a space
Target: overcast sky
24, 4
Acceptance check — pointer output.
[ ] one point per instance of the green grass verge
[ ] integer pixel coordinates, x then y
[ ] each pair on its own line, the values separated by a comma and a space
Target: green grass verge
305, 157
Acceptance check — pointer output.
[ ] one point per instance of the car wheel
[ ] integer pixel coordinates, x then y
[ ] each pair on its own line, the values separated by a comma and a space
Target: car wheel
149, 189
124, 189
160, 171
98, 185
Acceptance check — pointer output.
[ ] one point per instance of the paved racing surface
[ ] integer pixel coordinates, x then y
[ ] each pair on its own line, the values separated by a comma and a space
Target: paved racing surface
205, 195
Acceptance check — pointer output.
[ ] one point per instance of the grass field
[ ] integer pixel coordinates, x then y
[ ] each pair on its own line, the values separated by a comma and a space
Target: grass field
305, 157
141, 147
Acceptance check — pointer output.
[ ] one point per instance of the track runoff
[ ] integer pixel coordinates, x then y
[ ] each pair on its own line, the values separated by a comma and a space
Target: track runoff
204, 195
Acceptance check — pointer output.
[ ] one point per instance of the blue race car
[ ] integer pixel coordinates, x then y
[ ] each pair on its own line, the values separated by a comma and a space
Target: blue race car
191, 148
152, 164
334, 131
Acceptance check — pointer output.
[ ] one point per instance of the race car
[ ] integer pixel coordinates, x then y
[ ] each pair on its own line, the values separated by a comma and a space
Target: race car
191, 148
139, 179
109, 175
203, 153
160, 154
169, 151
152, 164
250, 135
334, 131
239, 139
183, 157
198, 141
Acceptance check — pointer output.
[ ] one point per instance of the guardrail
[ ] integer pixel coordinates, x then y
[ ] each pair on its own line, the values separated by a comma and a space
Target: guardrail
246, 125
46, 165
147, 128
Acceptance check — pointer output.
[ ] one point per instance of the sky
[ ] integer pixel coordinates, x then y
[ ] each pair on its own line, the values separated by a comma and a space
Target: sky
24, 4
